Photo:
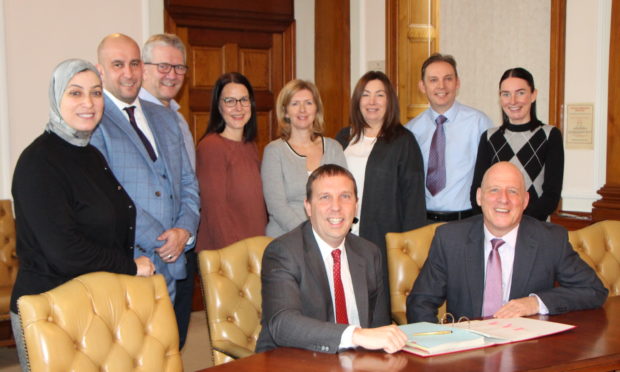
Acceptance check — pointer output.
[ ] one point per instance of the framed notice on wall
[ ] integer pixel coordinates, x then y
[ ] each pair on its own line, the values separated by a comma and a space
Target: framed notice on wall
579, 126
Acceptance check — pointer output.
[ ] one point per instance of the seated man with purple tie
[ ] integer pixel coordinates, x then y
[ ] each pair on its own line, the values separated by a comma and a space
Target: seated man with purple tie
502, 264
322, 287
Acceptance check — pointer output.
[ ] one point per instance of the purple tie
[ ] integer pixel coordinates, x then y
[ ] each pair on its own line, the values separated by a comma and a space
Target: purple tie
145, 141
493, 284
436, 175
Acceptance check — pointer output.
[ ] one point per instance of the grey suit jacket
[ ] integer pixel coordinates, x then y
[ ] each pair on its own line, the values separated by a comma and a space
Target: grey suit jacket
297, 304
454, 271
120, 145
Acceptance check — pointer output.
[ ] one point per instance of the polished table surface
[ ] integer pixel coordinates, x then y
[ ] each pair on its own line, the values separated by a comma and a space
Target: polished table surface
594, 345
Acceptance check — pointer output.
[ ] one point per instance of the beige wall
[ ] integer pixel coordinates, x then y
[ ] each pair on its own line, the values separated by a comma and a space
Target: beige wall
40, 34
487, 37
587, 59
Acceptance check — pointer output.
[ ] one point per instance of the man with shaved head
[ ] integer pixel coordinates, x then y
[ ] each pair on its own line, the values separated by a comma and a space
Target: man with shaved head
502, 264
145, 150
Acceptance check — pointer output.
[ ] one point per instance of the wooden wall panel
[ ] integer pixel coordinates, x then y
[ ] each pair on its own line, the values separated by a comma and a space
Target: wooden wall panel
333, 61
609, 206
255, 64
412, 26
207, 64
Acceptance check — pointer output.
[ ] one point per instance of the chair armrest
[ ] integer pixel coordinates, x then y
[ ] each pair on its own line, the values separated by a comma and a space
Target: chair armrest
231, 349
399, 317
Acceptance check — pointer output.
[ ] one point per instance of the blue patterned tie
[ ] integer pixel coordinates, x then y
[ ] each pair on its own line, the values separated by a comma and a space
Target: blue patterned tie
436, 175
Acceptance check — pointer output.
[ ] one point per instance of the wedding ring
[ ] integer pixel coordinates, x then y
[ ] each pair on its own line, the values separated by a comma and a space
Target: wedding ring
169, 256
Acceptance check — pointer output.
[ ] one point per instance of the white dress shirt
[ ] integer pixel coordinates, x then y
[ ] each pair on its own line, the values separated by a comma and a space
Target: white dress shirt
507, 256
143, 124
357, 157
346, 341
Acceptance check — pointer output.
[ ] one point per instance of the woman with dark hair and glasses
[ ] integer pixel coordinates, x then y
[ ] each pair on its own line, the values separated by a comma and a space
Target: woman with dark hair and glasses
535, 148
385, 160
228, 168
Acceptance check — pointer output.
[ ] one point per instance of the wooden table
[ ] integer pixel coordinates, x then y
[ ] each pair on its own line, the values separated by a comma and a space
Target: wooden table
593, 346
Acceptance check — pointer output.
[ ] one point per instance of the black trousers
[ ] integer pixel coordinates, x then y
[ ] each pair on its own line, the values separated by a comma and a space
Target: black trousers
185, 295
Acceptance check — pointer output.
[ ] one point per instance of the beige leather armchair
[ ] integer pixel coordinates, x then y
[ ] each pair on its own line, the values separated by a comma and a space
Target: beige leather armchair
8, 258
406, 253
599, 246
102, 322
8, 269
231, 288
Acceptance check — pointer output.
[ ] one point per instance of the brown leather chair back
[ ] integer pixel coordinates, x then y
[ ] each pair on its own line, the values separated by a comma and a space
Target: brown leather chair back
599, 246
406, 254
8, 258
102, 322
231, 287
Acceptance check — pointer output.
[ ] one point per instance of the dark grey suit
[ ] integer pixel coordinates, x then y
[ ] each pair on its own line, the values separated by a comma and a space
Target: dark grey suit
454, 271
297, 304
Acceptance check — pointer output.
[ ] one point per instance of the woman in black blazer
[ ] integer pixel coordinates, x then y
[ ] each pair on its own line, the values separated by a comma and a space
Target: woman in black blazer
386, 161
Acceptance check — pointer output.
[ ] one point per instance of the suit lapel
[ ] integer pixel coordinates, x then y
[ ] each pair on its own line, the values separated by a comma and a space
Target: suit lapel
525, 255
474, 265
120, 119
316, 267
357, 269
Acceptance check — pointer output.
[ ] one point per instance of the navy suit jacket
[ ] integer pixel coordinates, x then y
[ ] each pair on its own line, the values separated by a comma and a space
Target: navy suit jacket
120, 145
454, 271
296, 298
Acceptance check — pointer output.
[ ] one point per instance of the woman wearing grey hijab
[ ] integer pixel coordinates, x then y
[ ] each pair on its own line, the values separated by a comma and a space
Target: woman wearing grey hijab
72, 215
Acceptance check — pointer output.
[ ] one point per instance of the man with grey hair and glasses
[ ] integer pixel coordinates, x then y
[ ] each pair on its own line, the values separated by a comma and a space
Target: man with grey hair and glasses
164, 59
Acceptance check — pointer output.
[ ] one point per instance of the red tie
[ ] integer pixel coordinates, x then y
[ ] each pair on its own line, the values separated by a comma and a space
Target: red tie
341, 302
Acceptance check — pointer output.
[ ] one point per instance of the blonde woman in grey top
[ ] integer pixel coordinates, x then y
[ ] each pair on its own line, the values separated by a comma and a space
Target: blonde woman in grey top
289, 160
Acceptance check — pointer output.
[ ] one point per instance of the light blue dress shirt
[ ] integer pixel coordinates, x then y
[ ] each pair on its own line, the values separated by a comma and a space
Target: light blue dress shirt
463, 129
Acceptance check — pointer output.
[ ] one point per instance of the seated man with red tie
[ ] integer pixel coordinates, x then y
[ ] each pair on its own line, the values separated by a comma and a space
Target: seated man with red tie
502, 264
322, 287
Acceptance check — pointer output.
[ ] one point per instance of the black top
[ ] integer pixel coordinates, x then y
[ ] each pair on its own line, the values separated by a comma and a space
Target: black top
71, 214
393, 199
537, 150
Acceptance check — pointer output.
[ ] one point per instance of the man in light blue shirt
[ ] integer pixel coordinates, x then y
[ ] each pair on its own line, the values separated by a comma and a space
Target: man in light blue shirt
462, 128
164, 59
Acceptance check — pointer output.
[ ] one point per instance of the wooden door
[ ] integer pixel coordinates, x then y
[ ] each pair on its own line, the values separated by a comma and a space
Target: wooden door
255, 38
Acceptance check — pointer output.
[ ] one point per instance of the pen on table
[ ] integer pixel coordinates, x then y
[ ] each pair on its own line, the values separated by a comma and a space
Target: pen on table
432, 333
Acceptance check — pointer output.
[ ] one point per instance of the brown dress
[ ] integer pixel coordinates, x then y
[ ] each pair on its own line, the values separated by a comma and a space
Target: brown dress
232, 207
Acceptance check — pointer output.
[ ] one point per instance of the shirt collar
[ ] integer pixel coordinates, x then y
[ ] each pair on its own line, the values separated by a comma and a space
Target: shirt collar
450, 114
120, 104
509, 238
147, 96
326, 249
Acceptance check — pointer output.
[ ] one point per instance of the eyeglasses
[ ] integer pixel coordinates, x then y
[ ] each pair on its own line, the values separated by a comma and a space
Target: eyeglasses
165, 68
232, 102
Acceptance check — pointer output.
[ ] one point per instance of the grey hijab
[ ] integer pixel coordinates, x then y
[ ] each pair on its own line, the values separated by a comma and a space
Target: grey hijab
63, 73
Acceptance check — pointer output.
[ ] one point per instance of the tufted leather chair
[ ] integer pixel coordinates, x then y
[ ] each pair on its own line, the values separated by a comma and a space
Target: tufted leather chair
102, 322
599, 246
8, 258
406, 253
231, 288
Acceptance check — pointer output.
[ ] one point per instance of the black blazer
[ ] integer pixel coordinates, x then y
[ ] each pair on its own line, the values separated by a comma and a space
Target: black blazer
454, 271
393, 199
296, 298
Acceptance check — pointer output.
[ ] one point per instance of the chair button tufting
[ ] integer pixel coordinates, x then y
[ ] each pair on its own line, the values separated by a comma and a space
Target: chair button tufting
229, 318
241, 294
